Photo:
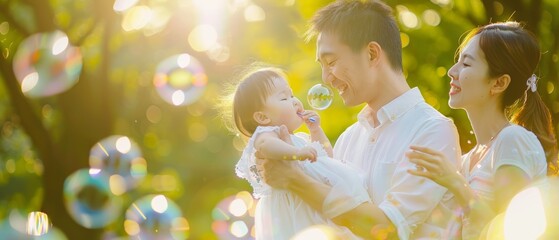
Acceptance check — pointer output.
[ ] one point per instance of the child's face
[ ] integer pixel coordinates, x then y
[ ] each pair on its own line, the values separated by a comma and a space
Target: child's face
281, 107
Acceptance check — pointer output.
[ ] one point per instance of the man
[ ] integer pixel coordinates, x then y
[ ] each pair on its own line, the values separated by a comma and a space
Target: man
359, 49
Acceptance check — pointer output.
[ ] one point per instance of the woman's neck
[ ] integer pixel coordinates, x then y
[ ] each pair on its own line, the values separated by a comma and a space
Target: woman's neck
487, 122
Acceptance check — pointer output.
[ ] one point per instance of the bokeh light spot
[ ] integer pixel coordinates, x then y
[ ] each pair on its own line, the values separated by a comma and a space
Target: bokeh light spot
441, 71
202, 38
38, 223
254, 13
117, 184
406, 17
136, 18
550, 87
4, 28
123, 5
159, 203
239, 229
431, 17
238, 207
405, 38
153, 114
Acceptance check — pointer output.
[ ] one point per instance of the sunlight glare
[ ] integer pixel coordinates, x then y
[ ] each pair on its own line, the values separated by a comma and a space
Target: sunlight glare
123, 145
159, 203
318, 232
525, 215
178, 97
136, 18
60, 45
123, 5
29, 82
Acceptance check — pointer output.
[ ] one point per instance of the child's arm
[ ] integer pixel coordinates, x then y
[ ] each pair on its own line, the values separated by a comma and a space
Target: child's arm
317, 134
272, 147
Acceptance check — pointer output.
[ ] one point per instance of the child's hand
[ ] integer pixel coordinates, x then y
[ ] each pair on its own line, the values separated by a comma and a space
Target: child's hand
307, 153
311, 118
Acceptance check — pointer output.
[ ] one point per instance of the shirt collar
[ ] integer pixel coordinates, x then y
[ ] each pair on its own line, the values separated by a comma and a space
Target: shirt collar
392, 110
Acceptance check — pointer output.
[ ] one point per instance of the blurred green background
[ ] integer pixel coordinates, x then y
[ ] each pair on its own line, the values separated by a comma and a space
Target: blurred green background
190, 156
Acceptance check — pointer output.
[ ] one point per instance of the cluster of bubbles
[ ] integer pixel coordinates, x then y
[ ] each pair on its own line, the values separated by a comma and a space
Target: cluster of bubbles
234, 217
46, 64
180, 79
92, 196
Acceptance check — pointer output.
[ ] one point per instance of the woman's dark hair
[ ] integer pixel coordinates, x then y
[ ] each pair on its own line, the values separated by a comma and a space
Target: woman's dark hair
511, 49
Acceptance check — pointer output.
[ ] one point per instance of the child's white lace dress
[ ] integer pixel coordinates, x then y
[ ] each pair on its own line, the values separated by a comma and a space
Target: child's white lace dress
281, 214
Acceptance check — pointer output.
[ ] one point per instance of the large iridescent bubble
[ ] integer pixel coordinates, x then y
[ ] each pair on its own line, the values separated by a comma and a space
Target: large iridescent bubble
155, 217
320, 97
120, 158
89, 200
180, 79
46, 64
234, 217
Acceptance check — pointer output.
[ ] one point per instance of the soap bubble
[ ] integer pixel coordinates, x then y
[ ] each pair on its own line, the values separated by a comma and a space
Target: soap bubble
155, 217
234, 217
89, 200
320, 97
119, 155
46, 64
180, 79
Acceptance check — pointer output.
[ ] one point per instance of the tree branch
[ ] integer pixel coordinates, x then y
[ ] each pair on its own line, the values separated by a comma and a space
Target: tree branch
30, 121
92, 27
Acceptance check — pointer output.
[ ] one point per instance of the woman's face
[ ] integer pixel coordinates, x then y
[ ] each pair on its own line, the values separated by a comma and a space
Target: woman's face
470, 83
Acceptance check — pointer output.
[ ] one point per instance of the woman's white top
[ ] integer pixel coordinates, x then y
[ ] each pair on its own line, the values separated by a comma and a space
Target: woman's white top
513, 146
281, 214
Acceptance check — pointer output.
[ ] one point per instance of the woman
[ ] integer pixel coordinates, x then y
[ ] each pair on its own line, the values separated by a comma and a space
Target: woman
494, 82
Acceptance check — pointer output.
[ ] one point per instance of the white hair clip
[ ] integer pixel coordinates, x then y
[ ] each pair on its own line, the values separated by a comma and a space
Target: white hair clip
532, 82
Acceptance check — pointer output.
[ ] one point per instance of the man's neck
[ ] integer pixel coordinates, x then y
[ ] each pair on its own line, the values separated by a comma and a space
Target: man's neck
394, 86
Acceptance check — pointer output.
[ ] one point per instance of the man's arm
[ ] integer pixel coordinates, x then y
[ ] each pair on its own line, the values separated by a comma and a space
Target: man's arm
359, 220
